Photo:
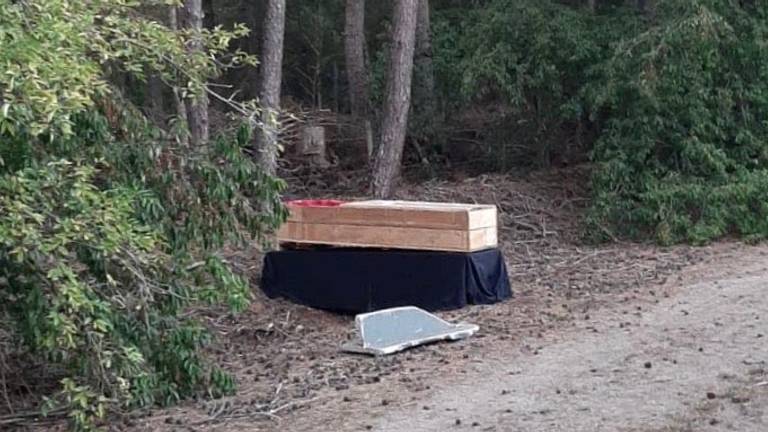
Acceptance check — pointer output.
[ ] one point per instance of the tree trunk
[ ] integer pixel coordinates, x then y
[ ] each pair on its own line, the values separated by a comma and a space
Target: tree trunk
592, 5
252, 46
155, 101
397, 99
269, 85
181, 110
354, 51
197, 106
424, 103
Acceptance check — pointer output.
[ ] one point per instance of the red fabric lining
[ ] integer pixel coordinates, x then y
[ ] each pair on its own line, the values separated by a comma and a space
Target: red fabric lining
314, 203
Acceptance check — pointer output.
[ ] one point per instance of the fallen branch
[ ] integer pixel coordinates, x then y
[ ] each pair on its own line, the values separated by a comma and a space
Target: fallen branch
25, 417
270, 413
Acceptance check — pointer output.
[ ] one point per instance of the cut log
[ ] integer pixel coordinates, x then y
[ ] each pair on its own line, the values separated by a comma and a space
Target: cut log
312, 145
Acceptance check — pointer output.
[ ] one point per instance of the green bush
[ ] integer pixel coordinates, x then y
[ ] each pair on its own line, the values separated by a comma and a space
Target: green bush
93, 290
111, 227
531, 57
683, 155
671, 105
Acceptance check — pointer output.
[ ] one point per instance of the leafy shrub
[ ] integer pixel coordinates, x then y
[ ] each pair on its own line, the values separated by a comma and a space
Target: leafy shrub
92, 289
684, 154
534, 56
110, 227
671, 105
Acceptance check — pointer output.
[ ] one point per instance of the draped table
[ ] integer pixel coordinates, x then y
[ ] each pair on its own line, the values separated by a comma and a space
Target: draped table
355, 280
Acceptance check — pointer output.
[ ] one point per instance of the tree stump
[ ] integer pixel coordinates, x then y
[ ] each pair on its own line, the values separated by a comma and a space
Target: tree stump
312, 146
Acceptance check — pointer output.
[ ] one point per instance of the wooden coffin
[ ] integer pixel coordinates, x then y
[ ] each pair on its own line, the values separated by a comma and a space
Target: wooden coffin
394, 224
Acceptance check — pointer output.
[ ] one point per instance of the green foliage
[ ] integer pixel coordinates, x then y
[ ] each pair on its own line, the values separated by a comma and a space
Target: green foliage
110, 227
313, 43
673, 105
55, 53
683, 156
527, 51
531, 56
93, 289
201, 197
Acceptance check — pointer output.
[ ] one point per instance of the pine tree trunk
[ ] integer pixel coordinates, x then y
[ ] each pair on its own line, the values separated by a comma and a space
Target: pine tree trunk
397, 100
357, 70
155, 100
354, 50
252, 46
422, 121
197, 106
592, 5
178, 101
269, 85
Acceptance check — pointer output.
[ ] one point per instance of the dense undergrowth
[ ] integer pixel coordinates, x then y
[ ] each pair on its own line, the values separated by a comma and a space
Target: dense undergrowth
110, 225
671, 105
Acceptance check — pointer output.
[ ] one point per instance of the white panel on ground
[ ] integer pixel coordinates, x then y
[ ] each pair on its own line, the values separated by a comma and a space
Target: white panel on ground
391, 330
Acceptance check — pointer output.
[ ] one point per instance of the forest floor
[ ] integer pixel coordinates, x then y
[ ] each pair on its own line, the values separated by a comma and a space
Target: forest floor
615, 337
694, 361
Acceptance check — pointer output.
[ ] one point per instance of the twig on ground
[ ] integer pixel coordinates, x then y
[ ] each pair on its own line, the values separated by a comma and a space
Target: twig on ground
269, 413
31, 416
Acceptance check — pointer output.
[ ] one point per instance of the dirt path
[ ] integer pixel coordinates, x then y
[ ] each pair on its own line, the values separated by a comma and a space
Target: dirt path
695, 361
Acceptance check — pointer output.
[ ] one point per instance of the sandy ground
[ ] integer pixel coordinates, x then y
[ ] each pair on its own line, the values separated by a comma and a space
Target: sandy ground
690, 355
695, 361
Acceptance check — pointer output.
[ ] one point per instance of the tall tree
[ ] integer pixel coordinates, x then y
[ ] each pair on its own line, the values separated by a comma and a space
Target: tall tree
354, 51
178, 101
397, 101
357, 72
269, 84
197, 106
424, 102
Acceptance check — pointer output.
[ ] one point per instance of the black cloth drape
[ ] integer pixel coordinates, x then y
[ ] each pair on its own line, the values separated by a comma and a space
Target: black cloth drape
363, 280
